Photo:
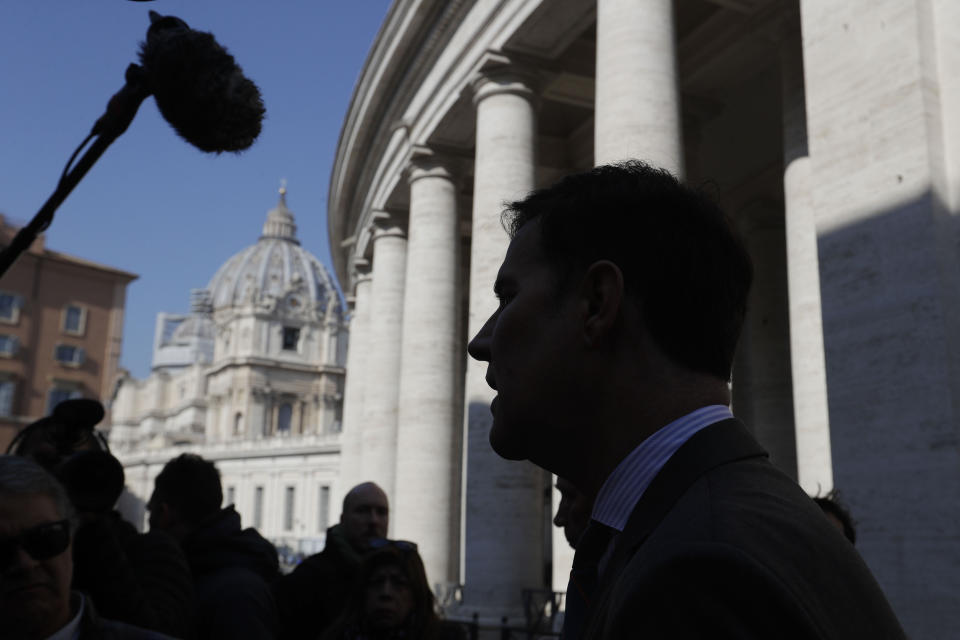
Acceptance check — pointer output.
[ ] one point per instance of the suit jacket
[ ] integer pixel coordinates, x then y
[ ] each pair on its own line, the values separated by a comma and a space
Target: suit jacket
723, 545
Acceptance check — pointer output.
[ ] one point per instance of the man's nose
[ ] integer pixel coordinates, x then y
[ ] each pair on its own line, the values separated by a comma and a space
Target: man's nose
559, 520
479, 347
21, 560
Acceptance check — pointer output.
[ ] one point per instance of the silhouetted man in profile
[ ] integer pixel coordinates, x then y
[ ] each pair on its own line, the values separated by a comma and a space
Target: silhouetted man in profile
314, 594
573, 512
233, 568
621, 297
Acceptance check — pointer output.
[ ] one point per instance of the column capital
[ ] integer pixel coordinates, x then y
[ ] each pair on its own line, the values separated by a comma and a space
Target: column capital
388, 224
425, 162
498, 74
360, 270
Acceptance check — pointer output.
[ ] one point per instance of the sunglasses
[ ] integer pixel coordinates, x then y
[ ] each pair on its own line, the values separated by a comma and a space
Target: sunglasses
402, 545
41, 542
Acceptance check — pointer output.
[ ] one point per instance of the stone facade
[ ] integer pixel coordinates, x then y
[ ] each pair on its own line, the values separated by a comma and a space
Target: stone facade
826, 130
61, 329
252, 379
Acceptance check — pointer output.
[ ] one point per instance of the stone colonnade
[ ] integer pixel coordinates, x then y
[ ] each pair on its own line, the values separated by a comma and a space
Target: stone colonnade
401, 422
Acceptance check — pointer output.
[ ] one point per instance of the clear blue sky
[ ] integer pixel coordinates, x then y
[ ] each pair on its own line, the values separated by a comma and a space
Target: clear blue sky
153, 204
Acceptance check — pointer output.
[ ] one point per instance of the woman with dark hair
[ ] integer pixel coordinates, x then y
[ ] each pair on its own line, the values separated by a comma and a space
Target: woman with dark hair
391, 599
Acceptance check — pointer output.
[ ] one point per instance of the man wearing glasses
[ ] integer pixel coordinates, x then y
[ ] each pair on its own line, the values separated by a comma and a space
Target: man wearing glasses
36, 564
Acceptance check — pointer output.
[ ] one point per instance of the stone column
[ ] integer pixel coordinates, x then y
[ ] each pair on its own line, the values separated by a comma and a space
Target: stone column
503, 518
353, 393
811, 420
637, 103
883, 124
762, 393
382, 368
428, 472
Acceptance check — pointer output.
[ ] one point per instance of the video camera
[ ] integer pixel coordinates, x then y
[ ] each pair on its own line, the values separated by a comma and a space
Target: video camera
66, 444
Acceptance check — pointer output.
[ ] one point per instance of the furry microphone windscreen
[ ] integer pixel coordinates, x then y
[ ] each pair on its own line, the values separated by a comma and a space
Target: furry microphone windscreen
199, 88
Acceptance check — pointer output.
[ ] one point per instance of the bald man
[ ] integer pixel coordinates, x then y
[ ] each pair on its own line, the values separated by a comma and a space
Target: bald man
313, 596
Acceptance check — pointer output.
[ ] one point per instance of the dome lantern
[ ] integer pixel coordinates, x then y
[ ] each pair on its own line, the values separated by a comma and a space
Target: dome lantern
280, 222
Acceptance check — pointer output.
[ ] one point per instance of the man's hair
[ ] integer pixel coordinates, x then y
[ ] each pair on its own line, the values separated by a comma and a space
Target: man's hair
191, 486
831, 504
22, 476
680, 256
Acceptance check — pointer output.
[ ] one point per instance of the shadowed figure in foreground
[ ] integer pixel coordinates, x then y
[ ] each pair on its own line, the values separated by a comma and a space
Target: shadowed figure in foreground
837, 514
573, 512
142, 579
315, 593
233, 568
622, 297
390, 599
37, 523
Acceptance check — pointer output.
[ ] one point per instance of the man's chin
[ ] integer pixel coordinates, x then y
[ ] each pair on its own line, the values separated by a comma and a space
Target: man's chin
505, 446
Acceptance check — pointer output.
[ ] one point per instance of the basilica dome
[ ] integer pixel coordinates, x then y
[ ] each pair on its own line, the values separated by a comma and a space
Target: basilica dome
275, 271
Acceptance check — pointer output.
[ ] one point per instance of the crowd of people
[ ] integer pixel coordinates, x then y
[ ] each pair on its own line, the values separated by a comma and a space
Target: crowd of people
66, 573
71, 567
622, 295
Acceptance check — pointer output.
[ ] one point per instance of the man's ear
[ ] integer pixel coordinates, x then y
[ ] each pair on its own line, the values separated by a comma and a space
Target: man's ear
602, 291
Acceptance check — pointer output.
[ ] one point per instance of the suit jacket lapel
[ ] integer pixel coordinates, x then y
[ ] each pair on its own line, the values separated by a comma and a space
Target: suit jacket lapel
712, 446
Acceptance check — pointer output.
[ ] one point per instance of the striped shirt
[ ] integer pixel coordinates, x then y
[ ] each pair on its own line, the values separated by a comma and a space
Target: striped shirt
625, 486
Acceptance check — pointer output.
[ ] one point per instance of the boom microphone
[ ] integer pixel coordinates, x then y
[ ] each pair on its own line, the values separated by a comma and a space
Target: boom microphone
198, 87
199, 90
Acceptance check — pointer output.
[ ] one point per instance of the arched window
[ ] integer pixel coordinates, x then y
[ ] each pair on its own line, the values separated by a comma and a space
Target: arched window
284, 415
238, 424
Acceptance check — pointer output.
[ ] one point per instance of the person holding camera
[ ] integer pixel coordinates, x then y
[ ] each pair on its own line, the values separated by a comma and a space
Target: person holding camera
36, 565
142, 579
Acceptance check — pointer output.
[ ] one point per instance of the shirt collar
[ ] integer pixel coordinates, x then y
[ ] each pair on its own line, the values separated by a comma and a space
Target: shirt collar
72, 629
624, 487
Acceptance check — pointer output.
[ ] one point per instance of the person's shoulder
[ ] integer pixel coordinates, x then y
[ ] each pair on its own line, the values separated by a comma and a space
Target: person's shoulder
94, 627
450, 630
115, 630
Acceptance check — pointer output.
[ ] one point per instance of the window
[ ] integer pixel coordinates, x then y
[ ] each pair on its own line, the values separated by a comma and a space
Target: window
74, 320
231, 495
8, 389
10, 305
338, 415
258, 507
238, 424
288, 509
291, 338
323, 509
284, 415
62, 391
68, 354
8, 345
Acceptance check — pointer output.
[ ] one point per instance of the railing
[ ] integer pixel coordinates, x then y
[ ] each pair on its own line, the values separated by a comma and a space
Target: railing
541, 609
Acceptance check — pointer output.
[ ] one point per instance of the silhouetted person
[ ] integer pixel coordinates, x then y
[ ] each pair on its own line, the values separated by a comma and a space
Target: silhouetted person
573, 512
390, 599
233, 568
315, 593
837, 514
622, 296
139, 578
36, 565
